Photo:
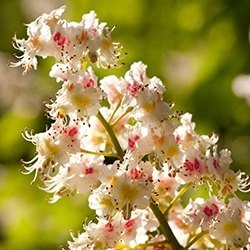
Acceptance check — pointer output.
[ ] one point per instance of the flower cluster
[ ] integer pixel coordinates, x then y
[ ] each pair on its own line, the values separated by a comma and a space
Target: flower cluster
71, 43
118, 140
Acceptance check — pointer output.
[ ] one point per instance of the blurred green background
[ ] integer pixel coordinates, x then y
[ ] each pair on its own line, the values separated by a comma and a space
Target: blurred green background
196, 47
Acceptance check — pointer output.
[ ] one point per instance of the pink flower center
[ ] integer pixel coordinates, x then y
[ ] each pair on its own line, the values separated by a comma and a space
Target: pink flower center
136, 174
94, 31
211, 211
215, 209
109, 227
128, 226
132, 141
88, 83
192, 167
72, 131
133, 88
177, 139
60, 39
208, 211
89, 170
216, 163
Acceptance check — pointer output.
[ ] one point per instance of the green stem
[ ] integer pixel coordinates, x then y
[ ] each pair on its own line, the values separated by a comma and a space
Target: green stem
172, 241
98, 153
111, 134
113, 114
180, 193
121, 116
196, 238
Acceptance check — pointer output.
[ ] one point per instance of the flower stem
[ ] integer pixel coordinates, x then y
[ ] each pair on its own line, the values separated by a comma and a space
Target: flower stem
121, 116
98, 153
113, 114
111, 134
196, 238
180, 193
172, 241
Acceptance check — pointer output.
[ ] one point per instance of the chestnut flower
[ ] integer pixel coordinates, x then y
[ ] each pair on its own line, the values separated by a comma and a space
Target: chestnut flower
120, 141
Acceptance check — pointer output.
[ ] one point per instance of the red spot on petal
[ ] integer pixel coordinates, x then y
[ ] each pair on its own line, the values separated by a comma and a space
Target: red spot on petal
133, 88
192, 167
109, 227
88, 83
216, 163
136, 174
132, 141
89, 170
211, 210
60, 39
189, 165
177, 139
215, 209
196, 164
72, 131
128, 226
208, 211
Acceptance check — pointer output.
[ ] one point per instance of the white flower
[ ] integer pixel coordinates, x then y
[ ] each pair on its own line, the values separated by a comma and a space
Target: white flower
113, 87
230, 182
243, 180
102, 235
193, 167
81, 242
77, 176
187, 137
75, 44
219, 163
107, 232
79, 95
95, 139
139, 139
150, 108
124, 187
60, 72
133, 188
201, 213
242, 207
185, 134
134, 229
230, 229
136, 84
102, 202
53, 147
165, 186
100, 48
38, 41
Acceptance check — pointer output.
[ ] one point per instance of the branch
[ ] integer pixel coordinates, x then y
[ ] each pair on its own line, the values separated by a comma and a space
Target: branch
112, 135
172, 241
